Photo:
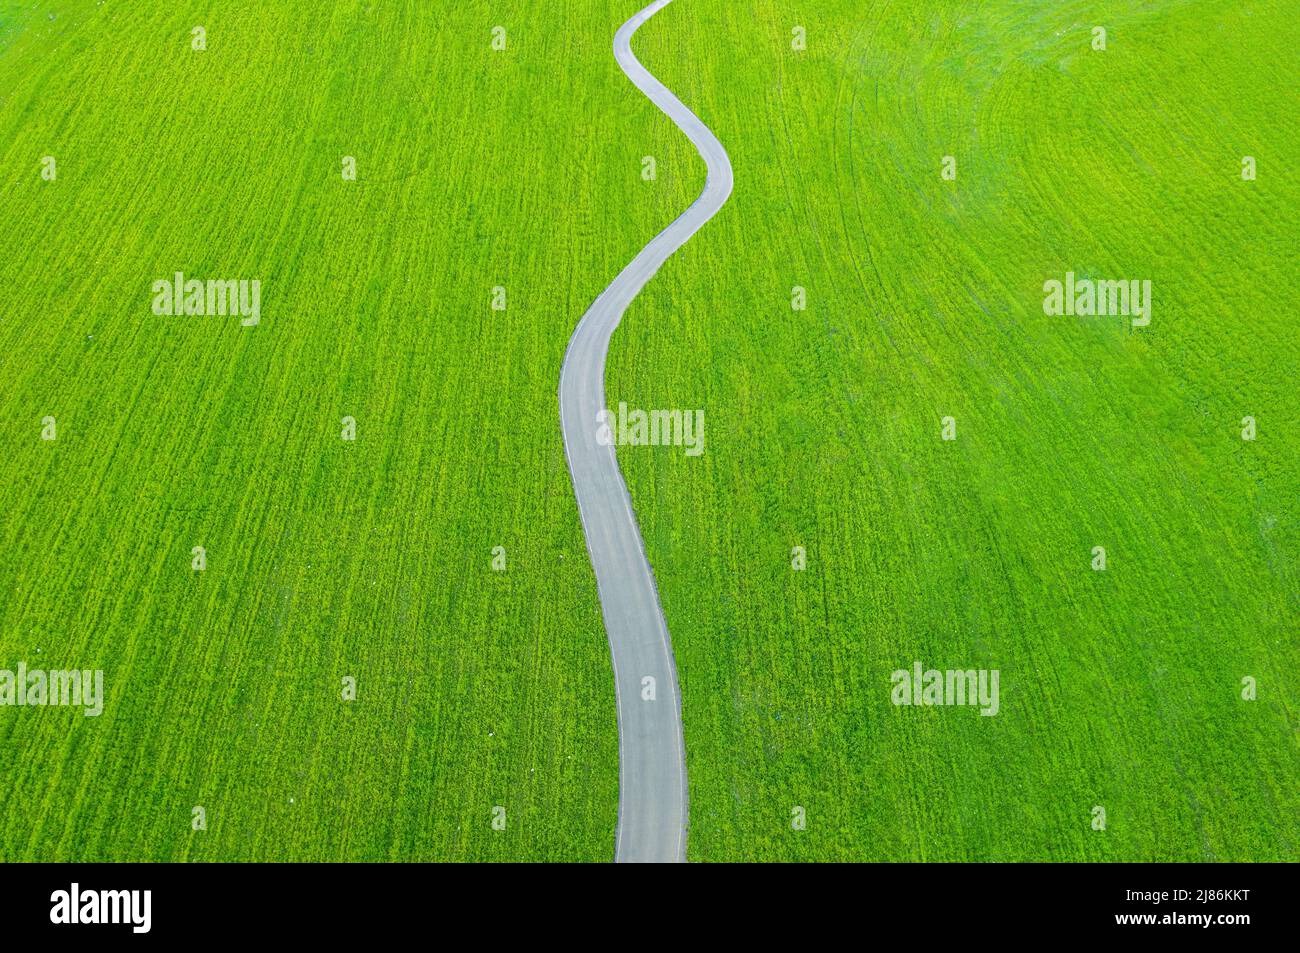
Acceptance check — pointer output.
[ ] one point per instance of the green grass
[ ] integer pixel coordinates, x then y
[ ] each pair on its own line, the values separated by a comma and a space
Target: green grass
1118, 688
325, 558
521, 168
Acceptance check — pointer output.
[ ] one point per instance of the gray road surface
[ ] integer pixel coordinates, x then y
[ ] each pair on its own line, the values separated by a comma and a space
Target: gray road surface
652, 758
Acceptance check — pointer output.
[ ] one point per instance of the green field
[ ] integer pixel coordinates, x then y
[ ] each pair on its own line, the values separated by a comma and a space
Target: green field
371, 559
1120, 688
520, 168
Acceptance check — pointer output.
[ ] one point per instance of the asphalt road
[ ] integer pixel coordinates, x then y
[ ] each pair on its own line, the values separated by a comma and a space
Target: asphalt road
652, 758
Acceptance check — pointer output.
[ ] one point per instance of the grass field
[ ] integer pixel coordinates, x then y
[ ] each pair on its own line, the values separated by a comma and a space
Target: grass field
1119, 689
371, 559
520, 168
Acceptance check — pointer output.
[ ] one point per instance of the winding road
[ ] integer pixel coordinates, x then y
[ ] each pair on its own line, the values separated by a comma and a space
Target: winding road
652, 815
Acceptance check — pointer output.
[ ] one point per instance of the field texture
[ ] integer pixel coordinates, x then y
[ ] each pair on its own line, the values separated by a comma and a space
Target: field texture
521, 169
476, 168
1119, 689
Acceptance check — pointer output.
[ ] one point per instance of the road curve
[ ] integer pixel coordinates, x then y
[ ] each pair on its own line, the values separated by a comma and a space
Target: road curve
652, 757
